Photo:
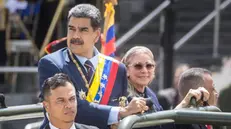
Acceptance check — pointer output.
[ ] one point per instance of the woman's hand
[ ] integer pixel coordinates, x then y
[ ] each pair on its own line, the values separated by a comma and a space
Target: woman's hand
136, 105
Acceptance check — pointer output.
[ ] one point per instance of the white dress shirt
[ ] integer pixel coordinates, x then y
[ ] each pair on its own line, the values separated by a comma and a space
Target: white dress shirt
113, 116
93, 60
53, 127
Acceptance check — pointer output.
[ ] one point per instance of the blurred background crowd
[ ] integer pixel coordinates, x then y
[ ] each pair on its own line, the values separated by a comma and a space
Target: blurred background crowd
26, 25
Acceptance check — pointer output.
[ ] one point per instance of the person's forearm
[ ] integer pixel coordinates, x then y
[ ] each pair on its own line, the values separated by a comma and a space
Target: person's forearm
181, 105
123, 112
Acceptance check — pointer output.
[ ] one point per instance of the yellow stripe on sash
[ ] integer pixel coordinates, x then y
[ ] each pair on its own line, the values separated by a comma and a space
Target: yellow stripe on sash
96, 81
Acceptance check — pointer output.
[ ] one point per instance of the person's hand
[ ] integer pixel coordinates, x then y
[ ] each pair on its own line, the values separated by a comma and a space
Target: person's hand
114, 126
197, 93
137, 105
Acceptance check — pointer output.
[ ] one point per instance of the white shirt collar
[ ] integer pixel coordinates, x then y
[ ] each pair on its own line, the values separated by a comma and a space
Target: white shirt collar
94, 59
53, 127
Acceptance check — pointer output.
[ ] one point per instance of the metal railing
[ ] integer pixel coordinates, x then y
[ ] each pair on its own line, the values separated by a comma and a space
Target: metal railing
202, 115
34, 125
215, 13
134, 30
21, 112
17, 69
201, 24
216, 29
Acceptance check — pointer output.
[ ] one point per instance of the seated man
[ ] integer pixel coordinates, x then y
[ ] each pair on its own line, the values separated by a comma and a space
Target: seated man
195, 78
59, 100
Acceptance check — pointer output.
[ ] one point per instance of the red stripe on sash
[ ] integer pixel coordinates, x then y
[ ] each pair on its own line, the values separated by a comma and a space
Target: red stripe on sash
110, 84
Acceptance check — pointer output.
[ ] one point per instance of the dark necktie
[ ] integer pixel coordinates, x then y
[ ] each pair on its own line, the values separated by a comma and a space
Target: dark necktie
90, 70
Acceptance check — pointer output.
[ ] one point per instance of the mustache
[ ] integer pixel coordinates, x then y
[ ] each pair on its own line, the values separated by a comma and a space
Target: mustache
76, 40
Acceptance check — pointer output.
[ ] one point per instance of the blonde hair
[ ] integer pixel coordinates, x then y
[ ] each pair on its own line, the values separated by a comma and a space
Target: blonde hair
136, 50
126, 60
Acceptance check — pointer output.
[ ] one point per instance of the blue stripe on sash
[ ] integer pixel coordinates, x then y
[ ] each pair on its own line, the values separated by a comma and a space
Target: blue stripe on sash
104, 80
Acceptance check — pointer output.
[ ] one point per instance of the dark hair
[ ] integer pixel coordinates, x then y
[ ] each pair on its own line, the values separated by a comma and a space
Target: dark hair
192, 79
58, 80
86, 11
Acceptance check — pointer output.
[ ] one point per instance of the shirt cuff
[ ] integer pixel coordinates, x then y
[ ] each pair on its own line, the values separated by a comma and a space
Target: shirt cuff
113, 116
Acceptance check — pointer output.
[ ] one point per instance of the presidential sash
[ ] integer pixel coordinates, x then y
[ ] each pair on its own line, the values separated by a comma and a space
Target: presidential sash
103, 81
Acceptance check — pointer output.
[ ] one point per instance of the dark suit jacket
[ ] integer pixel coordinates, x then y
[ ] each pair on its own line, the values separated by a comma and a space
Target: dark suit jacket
156, 105
77, 126
88, 113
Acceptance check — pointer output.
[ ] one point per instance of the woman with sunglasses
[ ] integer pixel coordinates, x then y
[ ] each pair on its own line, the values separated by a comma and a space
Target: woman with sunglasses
140, 65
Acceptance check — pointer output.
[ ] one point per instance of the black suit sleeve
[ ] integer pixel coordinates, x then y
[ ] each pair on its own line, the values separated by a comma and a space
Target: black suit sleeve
46, 68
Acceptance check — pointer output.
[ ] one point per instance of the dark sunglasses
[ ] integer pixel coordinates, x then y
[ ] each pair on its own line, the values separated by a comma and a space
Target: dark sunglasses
139, 66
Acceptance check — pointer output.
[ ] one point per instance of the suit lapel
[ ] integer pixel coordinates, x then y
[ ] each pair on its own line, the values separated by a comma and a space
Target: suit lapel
47, 126
76, 76
81, 66
149, 94
153, 97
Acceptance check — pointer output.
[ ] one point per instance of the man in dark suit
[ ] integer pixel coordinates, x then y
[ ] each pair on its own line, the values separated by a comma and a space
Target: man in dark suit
98, 79
59, 100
